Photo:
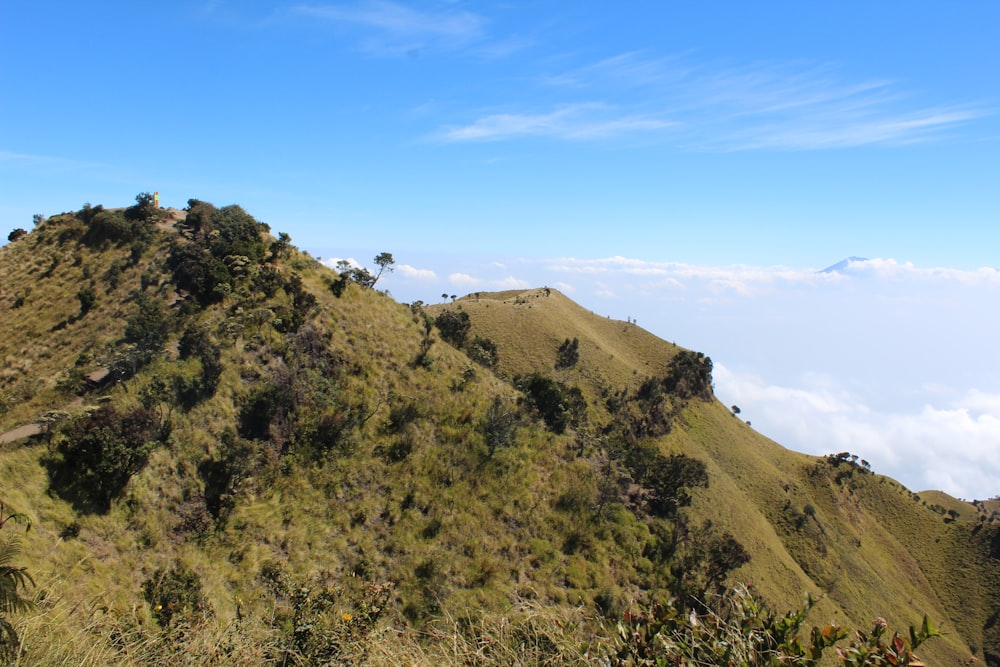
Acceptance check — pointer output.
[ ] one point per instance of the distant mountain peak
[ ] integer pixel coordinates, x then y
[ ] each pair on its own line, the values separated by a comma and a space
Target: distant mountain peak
842, 265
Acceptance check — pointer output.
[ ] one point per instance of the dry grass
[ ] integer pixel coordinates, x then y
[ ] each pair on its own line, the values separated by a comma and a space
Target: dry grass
459, 533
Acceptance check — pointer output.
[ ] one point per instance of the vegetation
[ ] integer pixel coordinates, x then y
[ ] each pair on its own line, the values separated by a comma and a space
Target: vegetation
360, 275
99, 453
569, 354
14, 581
238, 462
742, 631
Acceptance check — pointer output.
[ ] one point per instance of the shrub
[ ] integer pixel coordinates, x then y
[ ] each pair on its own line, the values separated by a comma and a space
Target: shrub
559, 406
319, 624
144, 208
739, 629
223, 243
197, 342
689, 375
88, 298
454, 326
569, 354
703, 561
499, 426
483, 351
173, 592
100, 452
223, 474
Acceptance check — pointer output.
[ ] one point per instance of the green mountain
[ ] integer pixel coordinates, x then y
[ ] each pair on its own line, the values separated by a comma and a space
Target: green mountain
229, 451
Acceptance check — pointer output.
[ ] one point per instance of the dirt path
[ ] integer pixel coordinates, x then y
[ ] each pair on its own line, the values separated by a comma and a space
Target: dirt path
91, 381
26, 431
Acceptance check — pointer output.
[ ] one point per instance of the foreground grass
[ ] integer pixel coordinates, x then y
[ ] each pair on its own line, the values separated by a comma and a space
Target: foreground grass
737, 628
63, 633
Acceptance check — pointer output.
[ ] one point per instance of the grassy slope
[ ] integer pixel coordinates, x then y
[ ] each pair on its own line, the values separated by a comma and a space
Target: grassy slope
479, 531
452, 529
869, 545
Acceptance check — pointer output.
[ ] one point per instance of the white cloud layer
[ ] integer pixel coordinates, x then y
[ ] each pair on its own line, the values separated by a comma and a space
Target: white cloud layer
748, 280
953, 447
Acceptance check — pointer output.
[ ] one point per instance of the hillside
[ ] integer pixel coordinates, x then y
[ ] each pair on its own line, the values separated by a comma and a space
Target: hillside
236, 443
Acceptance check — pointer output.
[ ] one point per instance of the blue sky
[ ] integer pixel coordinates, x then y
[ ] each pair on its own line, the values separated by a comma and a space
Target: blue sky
691, 165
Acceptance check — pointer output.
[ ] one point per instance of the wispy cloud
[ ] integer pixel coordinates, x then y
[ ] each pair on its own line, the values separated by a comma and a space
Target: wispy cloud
394, 28
43, 162
576, 122
631, 69
715, 107
804, 107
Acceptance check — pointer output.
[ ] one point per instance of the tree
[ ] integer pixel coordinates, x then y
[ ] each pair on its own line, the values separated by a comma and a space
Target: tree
557, 405
148, 327
384, 261
38, 219
499, 428
16, 234
144, 209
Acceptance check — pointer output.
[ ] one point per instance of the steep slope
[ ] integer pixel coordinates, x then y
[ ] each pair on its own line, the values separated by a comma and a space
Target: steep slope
237, 443
823, 525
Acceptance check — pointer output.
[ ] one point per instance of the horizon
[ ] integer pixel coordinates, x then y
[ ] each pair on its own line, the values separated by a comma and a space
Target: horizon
691, 167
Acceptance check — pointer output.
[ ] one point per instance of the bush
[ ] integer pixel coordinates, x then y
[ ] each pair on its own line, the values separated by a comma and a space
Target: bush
173, 592
569, 354
134, 223
499, 426
196, 342
88, 298
149, 326
99, 453
454, 327
739, 629
223, 243
689, 375
557, 405
665, 480
483, 351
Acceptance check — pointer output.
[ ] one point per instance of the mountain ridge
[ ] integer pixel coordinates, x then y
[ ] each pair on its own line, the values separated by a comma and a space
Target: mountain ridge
316, 431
